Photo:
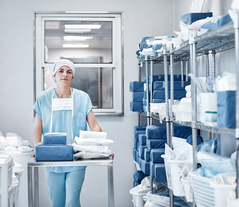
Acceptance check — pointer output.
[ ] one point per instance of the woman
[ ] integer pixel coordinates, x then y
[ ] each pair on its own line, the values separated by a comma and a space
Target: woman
64, 109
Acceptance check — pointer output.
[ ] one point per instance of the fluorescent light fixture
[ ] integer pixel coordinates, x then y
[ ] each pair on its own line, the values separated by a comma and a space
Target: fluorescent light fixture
82, 26
76, 30
75, 45
77, 38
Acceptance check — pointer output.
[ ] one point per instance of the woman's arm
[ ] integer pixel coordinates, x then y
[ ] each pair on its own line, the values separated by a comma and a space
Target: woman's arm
92, 122
37, 132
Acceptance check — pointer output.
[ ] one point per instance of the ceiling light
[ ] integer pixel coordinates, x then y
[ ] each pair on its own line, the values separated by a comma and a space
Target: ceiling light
83, 26
77, 38
76, 30
75, 45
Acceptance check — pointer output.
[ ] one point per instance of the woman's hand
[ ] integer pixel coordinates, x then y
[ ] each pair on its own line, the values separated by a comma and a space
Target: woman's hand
112, 155
33, 154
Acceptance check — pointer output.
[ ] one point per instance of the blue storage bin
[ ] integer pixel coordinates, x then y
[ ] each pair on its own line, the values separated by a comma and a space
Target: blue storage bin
193, 17
226, 109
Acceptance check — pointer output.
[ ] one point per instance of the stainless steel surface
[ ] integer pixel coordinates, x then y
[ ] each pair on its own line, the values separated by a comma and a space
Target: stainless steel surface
33, 185
171, 86
29, 184
151, 83
147, 88
207, 64
36, 189
236, 27
213, 63
111, 202
151, 184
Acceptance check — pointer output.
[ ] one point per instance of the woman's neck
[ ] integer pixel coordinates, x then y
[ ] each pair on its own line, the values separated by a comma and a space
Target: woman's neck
63, 92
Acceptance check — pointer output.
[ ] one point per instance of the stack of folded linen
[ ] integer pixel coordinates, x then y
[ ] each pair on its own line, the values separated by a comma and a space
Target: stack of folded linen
137, 89
159, 90
150, 46
92, 145
155, 143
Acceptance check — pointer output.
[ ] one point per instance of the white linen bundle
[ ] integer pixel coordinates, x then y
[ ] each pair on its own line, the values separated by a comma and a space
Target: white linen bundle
92, 145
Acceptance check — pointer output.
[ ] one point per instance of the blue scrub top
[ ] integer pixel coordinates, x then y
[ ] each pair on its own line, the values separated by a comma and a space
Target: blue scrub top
61, 120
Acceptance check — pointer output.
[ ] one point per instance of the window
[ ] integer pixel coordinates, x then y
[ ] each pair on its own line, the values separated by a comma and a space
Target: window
94, 43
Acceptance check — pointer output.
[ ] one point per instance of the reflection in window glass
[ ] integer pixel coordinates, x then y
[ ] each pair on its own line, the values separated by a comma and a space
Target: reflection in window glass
82, 41
97, 82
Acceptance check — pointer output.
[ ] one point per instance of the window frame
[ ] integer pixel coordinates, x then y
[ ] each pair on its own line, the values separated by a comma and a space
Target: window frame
117, 53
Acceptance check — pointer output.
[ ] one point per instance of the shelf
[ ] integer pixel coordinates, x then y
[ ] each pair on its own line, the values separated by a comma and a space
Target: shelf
152, 115
216, 130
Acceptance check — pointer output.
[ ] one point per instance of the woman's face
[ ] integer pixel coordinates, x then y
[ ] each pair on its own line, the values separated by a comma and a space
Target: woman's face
64, 75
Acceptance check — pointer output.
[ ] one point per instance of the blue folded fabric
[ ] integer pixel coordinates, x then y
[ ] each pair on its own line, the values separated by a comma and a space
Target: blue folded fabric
155, 143
146, 155
156, 132
57, 152
142, 139
141, 151
226, 109
159, 131
136, 86
137, 157
162, 77
178, 85
182, 131
144, 166
190, 140
54, 138
136, 136
137, 96
193, 17
155, 155
134, 153
215, 23
158, 172
139, 128
136, 106
160, 94
139, 176
145, 109
158, 100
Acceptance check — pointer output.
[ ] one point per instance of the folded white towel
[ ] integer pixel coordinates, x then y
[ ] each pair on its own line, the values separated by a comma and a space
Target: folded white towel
89, 134
92, 141
90, 148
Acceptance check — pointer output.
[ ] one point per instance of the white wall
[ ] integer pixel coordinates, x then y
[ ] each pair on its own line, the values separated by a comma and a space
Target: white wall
225, 61
141, 18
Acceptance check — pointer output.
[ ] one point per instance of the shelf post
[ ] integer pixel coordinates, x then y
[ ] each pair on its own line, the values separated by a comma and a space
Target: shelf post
236, 27
186, 69
147, 89
140, 65
207, 63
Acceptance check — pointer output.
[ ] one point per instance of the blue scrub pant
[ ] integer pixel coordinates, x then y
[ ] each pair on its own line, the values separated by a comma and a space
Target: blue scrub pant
64, 188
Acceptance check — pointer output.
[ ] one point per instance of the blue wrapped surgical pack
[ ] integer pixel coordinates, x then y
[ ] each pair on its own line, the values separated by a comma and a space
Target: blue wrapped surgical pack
145, 166
136, 106
136, 86
137, 96
155, 155
53, 148
54, 138
217, 22
53, 152
178, 85
193, 17
158, 172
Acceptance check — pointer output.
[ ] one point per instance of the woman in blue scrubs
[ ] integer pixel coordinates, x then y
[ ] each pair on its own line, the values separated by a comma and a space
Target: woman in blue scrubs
64, 109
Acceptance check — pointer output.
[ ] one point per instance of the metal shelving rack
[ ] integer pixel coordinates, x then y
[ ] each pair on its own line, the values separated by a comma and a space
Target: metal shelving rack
218, 40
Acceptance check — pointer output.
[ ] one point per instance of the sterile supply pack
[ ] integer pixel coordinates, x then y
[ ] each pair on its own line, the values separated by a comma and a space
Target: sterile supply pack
90, 155
53, 152
91, 148
93, 141
54, 138
90, 134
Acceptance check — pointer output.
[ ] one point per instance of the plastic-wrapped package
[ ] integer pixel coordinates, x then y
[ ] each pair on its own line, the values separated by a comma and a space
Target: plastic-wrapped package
210, 146
226, 82
201, 6
89, 155
93, 141
92, 134
169, 153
